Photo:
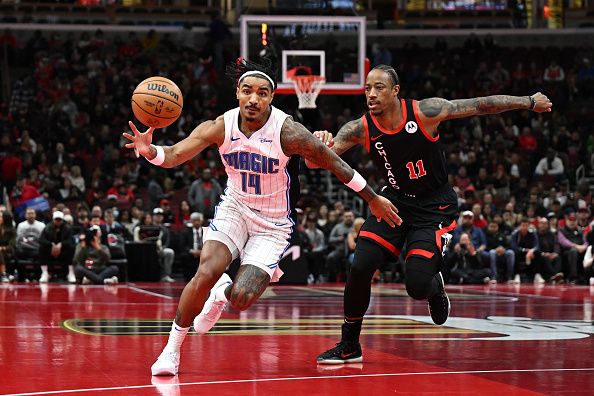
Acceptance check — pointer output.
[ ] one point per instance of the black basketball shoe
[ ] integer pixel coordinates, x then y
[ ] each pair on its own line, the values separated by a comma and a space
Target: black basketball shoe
439, 304
343, 352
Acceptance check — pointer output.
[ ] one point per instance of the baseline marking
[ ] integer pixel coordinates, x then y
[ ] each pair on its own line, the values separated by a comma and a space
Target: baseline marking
139, 290
301, 379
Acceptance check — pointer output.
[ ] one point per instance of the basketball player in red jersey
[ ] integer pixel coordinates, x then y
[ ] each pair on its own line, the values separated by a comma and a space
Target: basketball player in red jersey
402, 139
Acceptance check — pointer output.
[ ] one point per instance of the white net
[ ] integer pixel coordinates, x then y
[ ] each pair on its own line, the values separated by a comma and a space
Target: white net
307, 89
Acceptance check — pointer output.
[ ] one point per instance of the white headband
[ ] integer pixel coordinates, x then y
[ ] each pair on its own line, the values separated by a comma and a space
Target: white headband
253, 72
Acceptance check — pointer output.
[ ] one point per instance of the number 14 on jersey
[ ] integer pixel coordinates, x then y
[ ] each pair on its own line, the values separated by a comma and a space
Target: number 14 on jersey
251, 180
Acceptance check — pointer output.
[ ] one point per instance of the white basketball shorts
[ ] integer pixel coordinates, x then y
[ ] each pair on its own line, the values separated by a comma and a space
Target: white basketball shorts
257, 239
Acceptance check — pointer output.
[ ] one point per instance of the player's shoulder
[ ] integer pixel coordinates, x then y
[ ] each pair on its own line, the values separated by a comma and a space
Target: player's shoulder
211, 130
220, 120
216, 126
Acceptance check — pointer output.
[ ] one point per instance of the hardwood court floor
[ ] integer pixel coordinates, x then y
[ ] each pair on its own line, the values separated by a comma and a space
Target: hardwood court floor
95, 340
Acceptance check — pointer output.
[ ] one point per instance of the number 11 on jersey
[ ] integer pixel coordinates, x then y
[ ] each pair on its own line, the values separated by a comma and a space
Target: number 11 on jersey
412, 173
250, 180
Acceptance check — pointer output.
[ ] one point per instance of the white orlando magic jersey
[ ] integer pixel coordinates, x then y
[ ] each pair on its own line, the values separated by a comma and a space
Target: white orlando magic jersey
256, 166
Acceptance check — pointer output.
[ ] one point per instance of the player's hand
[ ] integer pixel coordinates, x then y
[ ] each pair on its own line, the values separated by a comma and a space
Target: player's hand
382, 208
325, 137
141, 141
543, 104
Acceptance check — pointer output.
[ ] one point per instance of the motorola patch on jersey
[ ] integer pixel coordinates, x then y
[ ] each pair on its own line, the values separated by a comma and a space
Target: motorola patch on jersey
411, 127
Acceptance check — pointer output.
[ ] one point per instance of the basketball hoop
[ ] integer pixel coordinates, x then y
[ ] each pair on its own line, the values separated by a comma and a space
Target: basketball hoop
307, 89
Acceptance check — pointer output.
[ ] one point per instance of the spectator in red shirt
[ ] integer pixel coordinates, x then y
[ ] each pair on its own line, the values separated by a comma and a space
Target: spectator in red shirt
519, 74
22, 192
122, 192
183, 215
554, 73
479, 219
461, 180
527, 141
130, 48
12, 166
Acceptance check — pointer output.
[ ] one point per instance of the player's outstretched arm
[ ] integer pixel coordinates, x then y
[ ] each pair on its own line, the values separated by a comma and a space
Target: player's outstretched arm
435, 110
205, 134
297, 140
348, 136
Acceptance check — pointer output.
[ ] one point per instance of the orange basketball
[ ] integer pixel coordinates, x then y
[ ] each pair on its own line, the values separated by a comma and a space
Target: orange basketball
157, 102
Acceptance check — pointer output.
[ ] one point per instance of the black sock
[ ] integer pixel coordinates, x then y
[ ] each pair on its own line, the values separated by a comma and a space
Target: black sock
369, 256
351, 329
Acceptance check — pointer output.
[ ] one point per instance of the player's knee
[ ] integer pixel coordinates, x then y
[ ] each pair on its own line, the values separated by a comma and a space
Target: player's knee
419, 284
368, 257
419, 289
206, 274
358, 269
361, 272
241, 299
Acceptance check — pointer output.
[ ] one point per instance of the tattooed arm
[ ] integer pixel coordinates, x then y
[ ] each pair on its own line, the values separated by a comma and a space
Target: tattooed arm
435, 110
297, 140
204, 135
350, 135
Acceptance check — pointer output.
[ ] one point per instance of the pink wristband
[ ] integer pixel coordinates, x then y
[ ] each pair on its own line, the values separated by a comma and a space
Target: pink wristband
159, 158
357, 183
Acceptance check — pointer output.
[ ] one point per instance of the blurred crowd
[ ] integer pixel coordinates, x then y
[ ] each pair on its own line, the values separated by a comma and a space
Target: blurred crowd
526, 213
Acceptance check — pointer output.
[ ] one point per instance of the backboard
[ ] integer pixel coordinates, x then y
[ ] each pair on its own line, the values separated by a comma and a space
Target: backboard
329, 46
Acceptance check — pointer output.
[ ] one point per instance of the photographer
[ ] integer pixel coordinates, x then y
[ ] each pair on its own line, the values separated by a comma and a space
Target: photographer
91, 259
466, 265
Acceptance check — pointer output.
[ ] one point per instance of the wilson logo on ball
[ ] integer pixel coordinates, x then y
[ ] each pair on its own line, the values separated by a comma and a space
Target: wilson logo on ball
162, 88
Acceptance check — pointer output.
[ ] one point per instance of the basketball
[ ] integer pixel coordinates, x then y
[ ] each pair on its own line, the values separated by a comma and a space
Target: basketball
157, 102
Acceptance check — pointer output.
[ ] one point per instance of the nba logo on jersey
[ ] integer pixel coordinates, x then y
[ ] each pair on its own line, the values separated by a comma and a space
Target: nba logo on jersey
411, 127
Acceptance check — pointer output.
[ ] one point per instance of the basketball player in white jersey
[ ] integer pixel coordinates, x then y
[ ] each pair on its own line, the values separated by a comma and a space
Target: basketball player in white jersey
253, 220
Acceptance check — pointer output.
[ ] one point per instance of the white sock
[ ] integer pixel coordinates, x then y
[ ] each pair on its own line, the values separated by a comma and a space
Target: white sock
176, 337
70, 270
44, 269
220, 292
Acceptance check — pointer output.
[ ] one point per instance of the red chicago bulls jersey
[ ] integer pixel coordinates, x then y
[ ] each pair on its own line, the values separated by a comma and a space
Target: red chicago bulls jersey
408, 158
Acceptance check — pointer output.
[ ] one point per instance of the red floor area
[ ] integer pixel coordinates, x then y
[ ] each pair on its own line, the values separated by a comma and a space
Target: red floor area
499, 340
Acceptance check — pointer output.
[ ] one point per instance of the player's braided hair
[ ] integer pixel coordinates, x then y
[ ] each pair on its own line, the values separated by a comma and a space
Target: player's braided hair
389, 70
236, 69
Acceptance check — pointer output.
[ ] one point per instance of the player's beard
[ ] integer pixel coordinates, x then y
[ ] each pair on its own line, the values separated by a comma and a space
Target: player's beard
251, 118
